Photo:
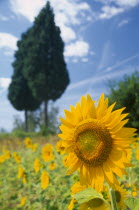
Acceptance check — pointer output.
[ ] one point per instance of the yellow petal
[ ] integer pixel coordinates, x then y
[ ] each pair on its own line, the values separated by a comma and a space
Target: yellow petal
119, 126
118, 171
116, 156
109, 176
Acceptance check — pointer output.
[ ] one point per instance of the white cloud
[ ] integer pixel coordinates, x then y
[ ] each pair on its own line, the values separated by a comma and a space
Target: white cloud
112, 8
28, 9
3, 18
110, 11
67, 13
67, 33
123, 3
8, 43
126, 3
123, 22
78, 48
4, 82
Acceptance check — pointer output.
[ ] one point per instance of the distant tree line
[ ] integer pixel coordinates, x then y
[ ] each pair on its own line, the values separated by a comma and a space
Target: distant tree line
40, 72
126, 94
35, 121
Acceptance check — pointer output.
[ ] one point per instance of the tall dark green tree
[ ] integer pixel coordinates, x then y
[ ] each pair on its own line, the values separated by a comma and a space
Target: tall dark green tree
45, 68
19, 94
126, 94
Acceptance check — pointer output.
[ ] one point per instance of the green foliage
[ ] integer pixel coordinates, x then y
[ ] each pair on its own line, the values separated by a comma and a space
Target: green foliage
132, 203
40, 72
55, 196
19, 93
87, 195
45, 68
22, 134
126, 94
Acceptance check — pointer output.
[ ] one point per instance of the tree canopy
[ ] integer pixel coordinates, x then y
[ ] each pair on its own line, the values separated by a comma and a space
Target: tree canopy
126, 94
40, 72
19, 94
45, 68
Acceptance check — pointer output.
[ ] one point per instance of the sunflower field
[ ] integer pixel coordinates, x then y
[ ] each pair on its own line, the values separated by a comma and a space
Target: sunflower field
91, 165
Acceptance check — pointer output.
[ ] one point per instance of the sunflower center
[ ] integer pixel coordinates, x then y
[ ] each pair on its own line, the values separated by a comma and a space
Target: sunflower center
95, 203
118, 196
92, 142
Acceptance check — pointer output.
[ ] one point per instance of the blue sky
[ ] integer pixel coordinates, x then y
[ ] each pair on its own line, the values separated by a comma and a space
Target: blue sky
101, 43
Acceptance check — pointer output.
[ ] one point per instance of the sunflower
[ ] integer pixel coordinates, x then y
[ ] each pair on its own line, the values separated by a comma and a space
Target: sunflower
134, 191
44, 180
17, 157
71, 205
52, 166
37, 165
22, 174
137, 154
47, 152
96, 141
28, 142
60, 147
23, 201
7, 154
2, 158
135, 145
34, 147
94, 204
121, 196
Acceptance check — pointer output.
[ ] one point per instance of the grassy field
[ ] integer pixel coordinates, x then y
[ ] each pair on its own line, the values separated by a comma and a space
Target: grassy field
33, 175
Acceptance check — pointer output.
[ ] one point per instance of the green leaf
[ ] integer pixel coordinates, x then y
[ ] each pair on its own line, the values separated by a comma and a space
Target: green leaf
87, 195
132, 203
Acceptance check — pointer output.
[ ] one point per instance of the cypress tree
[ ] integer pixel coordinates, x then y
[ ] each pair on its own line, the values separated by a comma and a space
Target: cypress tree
45, 68
19, 94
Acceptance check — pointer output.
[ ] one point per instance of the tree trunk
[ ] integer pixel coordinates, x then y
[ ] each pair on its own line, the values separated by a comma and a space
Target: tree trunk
26, 120
45, 116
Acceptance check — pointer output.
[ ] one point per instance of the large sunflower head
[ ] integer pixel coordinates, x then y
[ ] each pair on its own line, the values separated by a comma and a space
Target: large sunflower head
96, 141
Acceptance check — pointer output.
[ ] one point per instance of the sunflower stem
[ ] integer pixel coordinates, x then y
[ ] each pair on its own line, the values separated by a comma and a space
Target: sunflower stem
113, 199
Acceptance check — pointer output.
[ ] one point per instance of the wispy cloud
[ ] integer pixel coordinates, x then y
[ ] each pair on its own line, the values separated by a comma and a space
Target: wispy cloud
120, 63
123, 22
96, 80
106, 55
